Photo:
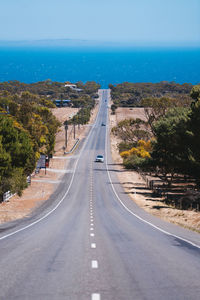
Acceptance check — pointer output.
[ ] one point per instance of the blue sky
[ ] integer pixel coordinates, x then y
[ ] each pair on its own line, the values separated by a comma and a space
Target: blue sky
141, 21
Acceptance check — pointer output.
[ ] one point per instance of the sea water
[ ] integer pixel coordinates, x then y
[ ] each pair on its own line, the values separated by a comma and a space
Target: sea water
105, 65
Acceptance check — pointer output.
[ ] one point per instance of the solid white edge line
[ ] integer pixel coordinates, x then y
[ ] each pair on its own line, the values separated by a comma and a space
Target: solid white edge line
59, 203
135, 215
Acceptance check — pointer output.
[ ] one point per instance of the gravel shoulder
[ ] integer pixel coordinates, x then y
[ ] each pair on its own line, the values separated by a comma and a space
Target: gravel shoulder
135, 186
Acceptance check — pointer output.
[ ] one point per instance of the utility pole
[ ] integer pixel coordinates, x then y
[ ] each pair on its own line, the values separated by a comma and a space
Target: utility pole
66, 128
74, 130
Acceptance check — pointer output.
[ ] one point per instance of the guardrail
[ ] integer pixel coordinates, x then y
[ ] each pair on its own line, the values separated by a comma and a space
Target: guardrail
7, 196
74, 147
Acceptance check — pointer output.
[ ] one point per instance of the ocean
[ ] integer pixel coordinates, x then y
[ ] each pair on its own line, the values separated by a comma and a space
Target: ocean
104, 65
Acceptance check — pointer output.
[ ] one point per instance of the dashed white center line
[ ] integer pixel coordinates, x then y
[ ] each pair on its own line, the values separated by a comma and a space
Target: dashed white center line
91, 224
91, 228
93, 245
95, 296
92, 234
94, 264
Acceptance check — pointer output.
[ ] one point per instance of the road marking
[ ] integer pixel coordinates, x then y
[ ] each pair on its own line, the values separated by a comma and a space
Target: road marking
92, 234
66, 193
91, 224
93, 245
58, 170
135, 215
95, 296
94, 264
91, 228
46, 180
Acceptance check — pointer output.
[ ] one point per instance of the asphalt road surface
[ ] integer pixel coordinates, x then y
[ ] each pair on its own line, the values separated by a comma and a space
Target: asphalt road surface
90, 241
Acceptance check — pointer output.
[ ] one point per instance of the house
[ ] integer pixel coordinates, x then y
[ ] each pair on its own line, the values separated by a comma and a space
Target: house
73, 87
70, 85
62, 103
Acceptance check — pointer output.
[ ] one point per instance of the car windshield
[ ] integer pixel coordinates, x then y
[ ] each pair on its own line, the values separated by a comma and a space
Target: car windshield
100, 156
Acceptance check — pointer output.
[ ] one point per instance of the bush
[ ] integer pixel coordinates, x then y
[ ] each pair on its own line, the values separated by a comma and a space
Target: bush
124, 146
135, 162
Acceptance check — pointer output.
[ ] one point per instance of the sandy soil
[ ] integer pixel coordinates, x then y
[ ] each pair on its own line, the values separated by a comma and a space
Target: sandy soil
135, 185
43, 185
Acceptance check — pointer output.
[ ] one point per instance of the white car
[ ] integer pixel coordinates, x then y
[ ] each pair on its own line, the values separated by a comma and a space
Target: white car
99, 158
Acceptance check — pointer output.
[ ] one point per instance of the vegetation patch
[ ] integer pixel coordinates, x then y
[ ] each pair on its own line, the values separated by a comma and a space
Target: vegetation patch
28, 127
166, 145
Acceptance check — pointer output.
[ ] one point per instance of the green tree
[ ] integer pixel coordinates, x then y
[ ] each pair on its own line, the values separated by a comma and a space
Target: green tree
170, 149
193, 132
155, 108
16, 156
131, 130
195, 92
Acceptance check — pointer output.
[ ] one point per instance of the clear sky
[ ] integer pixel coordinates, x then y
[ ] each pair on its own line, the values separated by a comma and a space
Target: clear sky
145, 21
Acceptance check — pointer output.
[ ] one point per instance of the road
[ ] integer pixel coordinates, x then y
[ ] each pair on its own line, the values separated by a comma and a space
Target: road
90, 241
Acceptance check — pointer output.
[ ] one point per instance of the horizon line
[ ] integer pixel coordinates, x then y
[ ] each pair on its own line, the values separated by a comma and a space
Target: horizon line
187, 44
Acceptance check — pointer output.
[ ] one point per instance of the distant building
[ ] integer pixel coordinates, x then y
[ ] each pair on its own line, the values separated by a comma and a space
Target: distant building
73, 87
62, 103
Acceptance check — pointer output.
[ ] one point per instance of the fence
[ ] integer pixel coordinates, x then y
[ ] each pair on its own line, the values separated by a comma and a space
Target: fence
189, 199
7, 195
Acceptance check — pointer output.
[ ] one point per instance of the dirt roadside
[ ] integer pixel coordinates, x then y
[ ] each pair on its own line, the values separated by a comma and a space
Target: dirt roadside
43, 185
134, 185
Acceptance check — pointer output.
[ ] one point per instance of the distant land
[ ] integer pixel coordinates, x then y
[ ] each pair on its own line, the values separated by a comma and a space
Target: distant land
95, 43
